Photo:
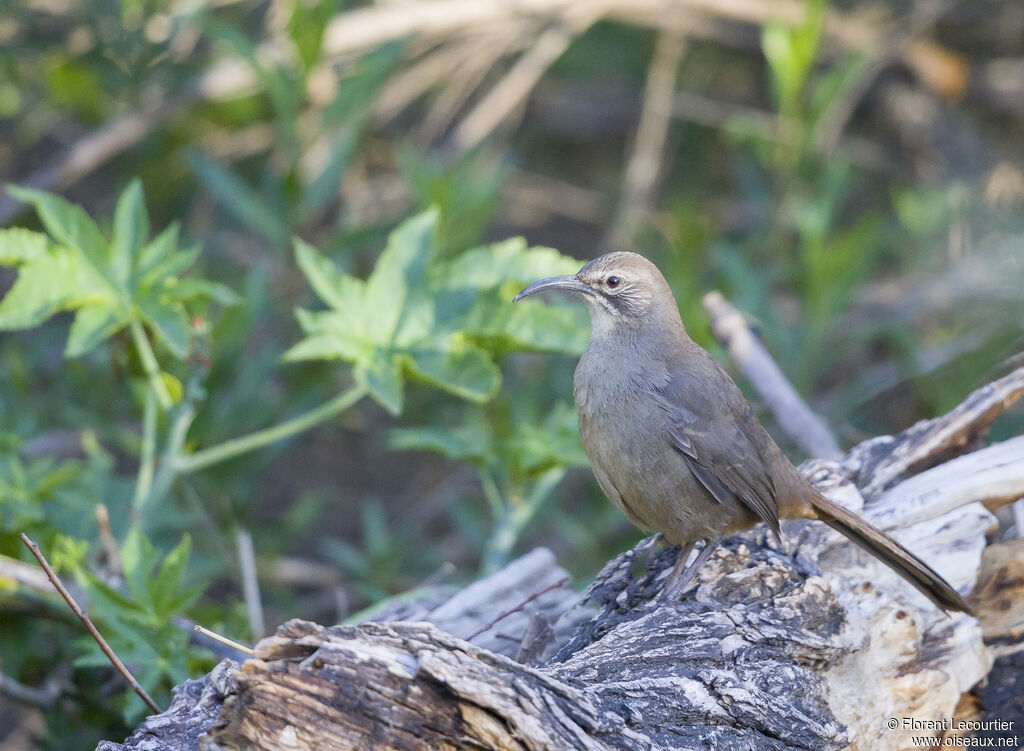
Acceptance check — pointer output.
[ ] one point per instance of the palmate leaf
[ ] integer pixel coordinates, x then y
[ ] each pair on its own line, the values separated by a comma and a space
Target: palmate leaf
50, 279
438, 322
491, 276
108, 284
384, 326
138, 621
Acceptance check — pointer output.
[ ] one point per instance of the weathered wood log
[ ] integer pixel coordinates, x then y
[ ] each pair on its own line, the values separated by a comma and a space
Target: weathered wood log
810, 644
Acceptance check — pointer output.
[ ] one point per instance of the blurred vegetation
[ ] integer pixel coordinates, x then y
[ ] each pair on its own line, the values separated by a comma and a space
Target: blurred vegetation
256, 276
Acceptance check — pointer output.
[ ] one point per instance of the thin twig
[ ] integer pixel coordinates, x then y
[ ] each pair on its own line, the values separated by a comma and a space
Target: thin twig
224, 640
799, 421
518, 608
77, 609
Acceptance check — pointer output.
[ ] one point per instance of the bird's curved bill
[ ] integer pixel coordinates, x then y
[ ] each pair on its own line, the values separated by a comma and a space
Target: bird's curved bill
571, 283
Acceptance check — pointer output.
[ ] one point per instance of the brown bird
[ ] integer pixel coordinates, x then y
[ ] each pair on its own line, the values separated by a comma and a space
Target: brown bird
673, 442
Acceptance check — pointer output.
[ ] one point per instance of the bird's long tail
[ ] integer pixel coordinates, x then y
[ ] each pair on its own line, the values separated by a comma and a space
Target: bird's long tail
891, 553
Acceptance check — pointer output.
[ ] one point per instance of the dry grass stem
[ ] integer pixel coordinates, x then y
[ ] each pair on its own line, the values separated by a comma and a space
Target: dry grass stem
644, 167
224, 640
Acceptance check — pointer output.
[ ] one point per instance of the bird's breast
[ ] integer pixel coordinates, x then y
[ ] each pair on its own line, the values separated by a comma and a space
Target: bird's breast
625, 431
620, 425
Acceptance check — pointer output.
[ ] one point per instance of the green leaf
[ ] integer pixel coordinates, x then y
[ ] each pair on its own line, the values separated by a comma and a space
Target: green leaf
48, 283
169, 321
131, 231
239, 200
109, 287
461, 369
69, 225
529, 325
469, 443
339, 290
138, 557
188, 290
489, 278
92, 326
163, 247
170, 267
438, 322
504, 263
18, 246
791, 51
164, 586
108, 599
400, 271
382, 378
535, 447
331, 335
306, 28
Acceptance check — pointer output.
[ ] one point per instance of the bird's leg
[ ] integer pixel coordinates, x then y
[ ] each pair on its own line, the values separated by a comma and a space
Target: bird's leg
681, 573
680, 568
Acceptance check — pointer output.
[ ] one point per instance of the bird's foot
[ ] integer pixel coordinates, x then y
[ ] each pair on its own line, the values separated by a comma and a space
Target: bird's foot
682, 574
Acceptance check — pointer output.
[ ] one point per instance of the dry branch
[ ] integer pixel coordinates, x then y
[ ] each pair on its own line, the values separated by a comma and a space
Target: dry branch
877, 464
799, 422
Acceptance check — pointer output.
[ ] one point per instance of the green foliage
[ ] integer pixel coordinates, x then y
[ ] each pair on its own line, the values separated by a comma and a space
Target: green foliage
171, 404
110, 284
434, 321
377, 562
520, 460
444, 321
26, 486
284, 198
51, 501
791, 51
466, 192
137, 623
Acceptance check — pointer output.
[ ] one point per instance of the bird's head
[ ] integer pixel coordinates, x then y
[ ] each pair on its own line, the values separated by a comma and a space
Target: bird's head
621, 290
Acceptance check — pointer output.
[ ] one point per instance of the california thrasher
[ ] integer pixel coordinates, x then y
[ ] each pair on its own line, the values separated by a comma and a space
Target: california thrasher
673, 442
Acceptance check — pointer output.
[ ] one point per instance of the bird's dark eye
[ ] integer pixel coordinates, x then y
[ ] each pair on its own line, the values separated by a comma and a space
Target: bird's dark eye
612, 281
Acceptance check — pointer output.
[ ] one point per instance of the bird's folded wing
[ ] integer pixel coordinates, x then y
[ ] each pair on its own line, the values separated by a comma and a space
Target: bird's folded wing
718, 436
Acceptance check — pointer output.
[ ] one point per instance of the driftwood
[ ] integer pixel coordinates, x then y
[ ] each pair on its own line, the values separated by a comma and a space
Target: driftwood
807, 645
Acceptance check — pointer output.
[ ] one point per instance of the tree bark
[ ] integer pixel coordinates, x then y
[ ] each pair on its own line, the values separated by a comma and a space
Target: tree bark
810, 644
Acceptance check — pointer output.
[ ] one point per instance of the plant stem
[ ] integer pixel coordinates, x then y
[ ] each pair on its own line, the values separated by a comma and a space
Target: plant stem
243, 444
150, 365
510, 525
491, 493
147, 454
167, 473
